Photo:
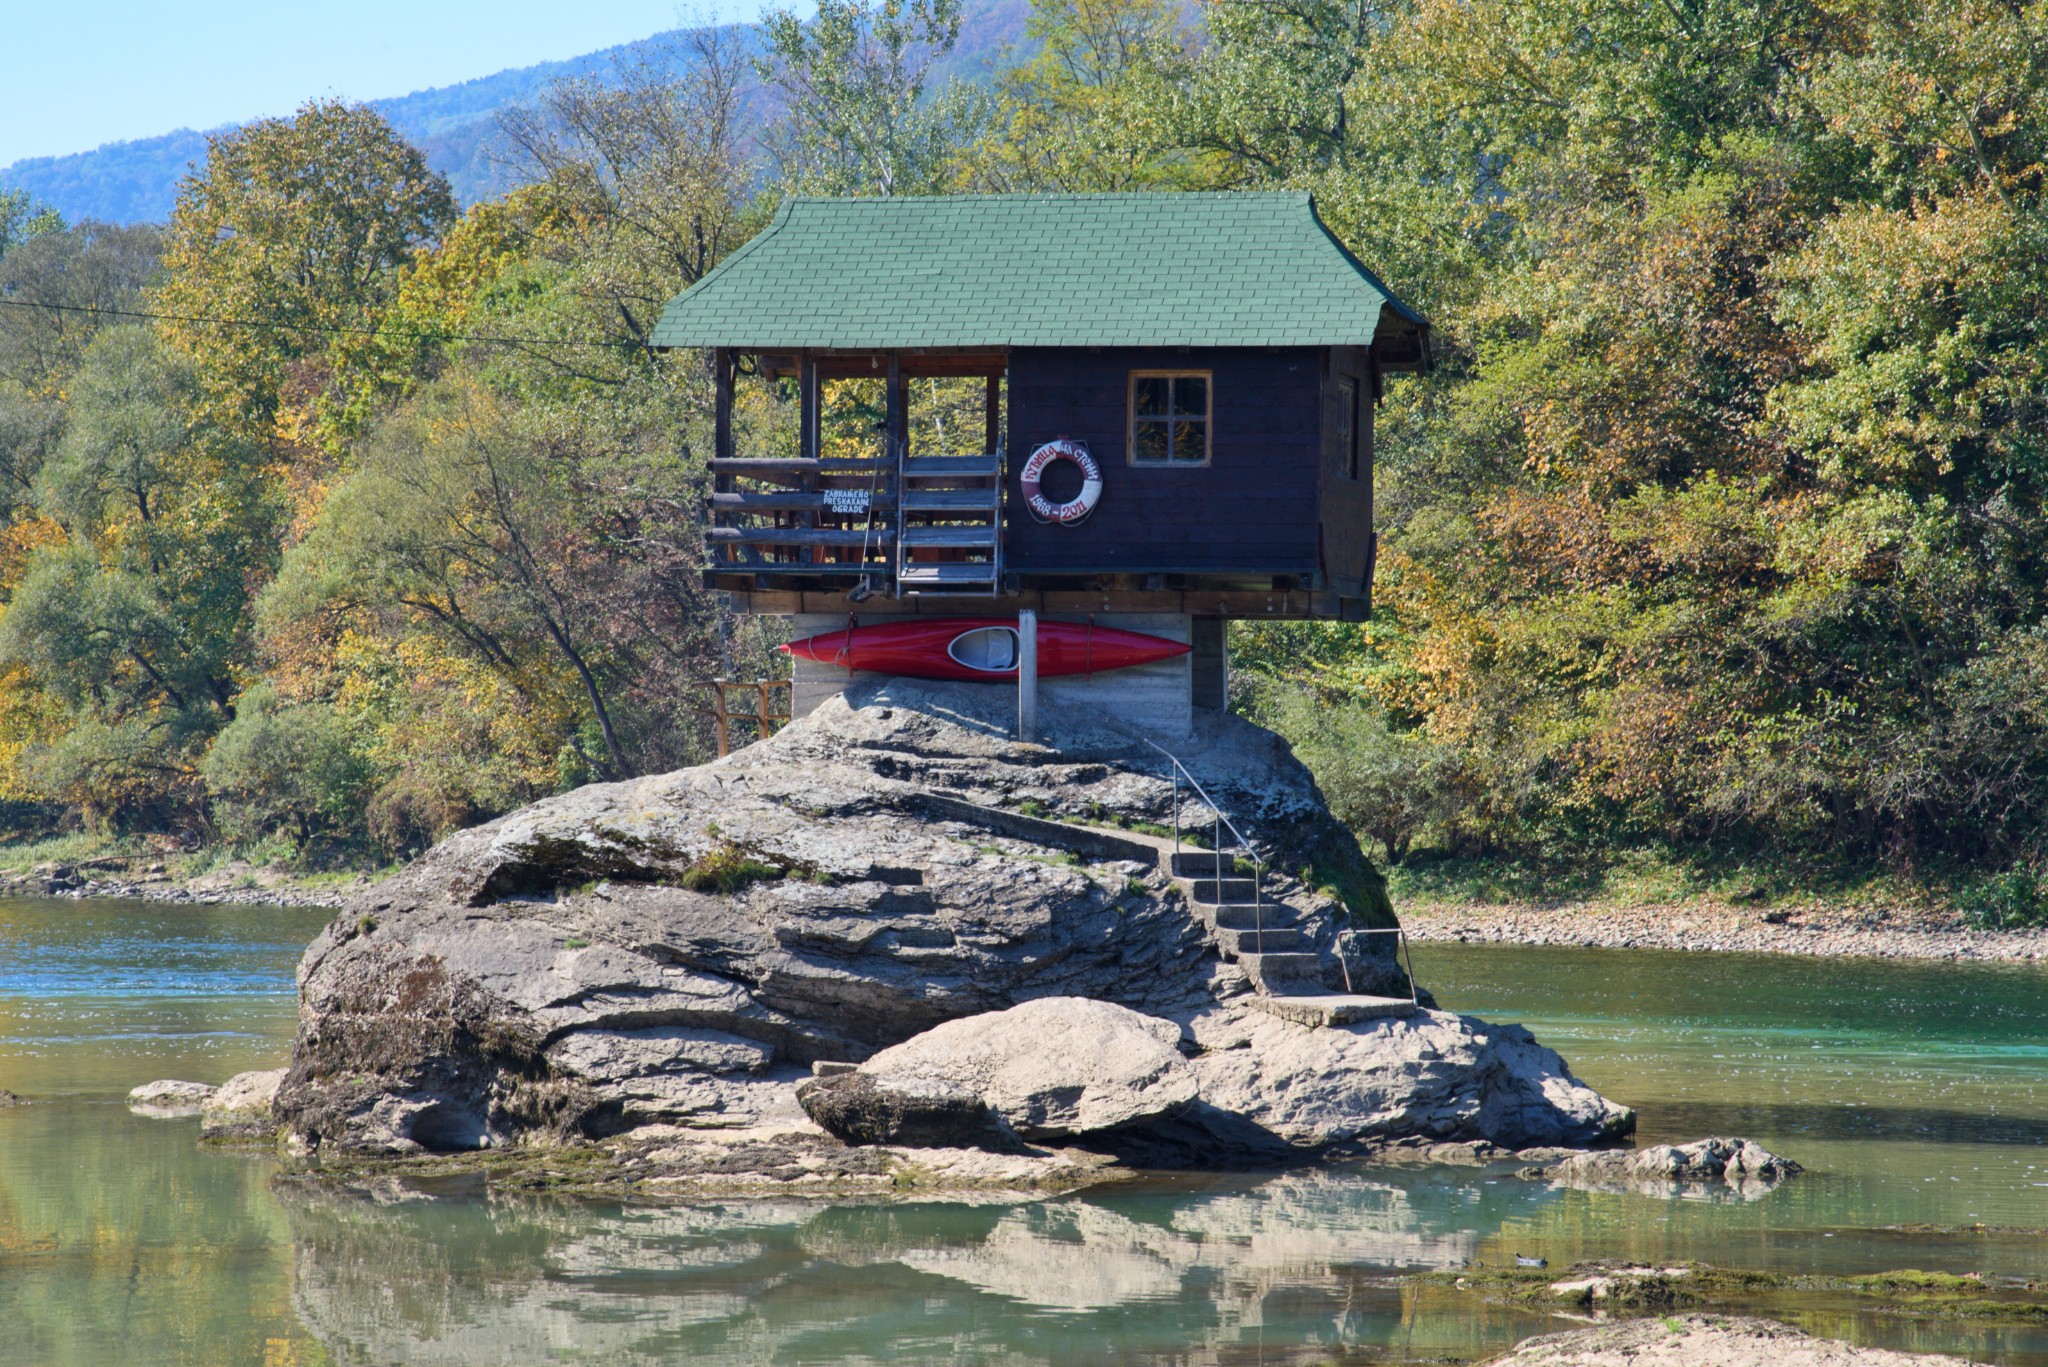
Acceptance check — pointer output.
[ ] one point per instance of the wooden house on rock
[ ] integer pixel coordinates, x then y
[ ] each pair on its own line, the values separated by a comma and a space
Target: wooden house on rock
1124, 413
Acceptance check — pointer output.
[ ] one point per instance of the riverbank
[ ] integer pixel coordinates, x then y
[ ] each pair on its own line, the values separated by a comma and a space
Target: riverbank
1818, 931
233, 881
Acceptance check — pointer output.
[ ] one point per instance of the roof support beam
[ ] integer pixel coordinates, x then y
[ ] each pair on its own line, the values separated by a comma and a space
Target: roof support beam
809, 427
721, 383
899, 427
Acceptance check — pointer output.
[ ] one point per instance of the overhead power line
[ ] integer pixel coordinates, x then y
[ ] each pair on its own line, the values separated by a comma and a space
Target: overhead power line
265, 325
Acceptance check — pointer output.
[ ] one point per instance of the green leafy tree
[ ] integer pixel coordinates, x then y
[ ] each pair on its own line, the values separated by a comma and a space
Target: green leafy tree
853, 77
294, 768
136, 623
300, 227
22, 218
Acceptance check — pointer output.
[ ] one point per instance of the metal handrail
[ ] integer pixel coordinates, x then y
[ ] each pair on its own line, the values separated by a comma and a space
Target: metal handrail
1414, 996
1177, 773
1180, 771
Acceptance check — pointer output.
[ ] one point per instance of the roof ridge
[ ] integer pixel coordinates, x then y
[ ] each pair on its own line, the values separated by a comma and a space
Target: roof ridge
1181, 196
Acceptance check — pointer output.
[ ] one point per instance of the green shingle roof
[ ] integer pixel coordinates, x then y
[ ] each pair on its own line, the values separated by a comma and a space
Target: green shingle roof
1038, 270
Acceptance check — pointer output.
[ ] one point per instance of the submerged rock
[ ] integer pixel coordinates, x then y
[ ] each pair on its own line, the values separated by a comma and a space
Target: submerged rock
1747, 1167
1051, 1069
1701, 1341
170, 1097
8, 1098
241, 1107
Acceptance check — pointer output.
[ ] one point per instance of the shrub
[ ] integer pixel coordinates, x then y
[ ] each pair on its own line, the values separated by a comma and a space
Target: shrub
1383, 782
286, 767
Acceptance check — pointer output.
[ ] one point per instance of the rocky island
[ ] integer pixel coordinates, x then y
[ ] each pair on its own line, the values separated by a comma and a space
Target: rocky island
892, 947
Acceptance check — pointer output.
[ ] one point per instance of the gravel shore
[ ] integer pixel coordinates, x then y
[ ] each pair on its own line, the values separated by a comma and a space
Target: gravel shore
240, 884
1728, 930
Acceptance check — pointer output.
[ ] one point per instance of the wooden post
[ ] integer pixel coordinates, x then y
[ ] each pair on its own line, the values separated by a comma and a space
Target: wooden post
718, 713
761, 709
721, 379
992, 415
1027, 676
898, 427
810, 427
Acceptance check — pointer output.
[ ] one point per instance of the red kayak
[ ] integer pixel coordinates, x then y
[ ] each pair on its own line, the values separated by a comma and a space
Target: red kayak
981, 648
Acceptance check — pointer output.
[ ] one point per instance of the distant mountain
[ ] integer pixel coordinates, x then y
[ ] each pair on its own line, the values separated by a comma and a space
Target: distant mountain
456, 126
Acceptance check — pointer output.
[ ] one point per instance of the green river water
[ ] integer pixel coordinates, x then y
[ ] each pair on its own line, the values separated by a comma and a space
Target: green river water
1917, 1094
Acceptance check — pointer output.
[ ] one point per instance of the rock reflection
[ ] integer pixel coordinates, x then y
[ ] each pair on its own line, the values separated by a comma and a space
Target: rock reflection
1304, 1260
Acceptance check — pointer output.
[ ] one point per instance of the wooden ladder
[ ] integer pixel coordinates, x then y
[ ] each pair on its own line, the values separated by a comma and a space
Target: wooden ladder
949, 526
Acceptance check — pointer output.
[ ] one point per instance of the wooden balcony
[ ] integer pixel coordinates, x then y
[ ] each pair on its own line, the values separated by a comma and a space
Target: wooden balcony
890, 522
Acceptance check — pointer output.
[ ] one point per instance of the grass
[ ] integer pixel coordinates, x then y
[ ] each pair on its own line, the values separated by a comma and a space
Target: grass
728, 868
1653, 878
72, 847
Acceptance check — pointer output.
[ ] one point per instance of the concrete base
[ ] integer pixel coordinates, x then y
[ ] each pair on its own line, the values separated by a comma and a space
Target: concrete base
1156, 699
1334, 1009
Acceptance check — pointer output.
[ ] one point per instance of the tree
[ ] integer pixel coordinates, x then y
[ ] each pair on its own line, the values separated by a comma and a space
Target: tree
22, 219
1087, 112
853, 77
645, 186
475, 519
135, 623
299, 226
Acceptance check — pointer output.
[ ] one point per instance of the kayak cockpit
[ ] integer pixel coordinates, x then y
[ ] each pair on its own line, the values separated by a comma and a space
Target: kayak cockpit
990, 650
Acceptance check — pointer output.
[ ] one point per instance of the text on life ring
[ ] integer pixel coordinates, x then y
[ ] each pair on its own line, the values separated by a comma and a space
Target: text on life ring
1075, 508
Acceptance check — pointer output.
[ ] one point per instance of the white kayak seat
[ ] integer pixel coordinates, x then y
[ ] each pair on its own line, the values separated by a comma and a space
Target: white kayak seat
990, 649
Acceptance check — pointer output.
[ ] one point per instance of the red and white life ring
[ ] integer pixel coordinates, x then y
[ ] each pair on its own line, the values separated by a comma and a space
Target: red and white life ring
1074, 509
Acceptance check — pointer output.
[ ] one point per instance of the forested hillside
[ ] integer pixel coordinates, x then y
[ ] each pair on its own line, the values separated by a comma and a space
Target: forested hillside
455, 126
1717, 532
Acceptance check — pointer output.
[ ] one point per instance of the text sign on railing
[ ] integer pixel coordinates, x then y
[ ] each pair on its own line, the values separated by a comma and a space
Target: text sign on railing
853, 501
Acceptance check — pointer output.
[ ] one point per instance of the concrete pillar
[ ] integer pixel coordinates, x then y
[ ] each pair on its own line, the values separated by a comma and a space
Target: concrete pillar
1027, 676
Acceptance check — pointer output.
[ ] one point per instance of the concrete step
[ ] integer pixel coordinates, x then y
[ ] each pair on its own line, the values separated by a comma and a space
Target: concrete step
1289, 974
1245, 916
1217, 891
1331, 1008
1203, 864
1238, 943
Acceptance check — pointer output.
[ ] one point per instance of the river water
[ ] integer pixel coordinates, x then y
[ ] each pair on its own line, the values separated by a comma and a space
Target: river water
1918, 1094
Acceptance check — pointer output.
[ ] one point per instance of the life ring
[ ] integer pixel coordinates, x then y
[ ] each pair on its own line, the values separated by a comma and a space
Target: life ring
1075, 509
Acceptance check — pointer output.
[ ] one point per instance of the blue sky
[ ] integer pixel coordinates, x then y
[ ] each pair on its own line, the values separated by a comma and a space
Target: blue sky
75, 75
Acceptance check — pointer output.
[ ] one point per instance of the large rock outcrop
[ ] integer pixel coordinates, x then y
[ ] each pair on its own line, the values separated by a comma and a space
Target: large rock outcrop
681, 949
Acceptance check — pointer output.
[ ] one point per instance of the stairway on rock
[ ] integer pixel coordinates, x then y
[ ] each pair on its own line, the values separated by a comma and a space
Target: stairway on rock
1265, 938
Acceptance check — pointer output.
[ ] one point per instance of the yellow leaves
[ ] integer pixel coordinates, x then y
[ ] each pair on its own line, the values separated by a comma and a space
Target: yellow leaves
28, 716
415, 698
18, 541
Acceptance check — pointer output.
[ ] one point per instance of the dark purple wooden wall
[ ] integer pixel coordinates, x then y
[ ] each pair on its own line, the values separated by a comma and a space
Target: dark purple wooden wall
1252, 510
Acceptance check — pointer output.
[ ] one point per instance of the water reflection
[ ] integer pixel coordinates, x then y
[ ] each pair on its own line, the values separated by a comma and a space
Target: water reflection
1920, 1098
1298, 1266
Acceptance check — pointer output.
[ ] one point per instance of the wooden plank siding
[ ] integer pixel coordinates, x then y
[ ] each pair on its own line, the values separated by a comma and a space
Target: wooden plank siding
1251, 511
1345, 498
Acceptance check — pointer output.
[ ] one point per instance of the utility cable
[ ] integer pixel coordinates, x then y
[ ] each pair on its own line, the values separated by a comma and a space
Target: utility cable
261, 325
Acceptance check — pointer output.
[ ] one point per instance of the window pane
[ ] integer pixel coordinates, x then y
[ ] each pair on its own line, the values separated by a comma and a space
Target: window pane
1191, 395
1152, 441
1151, 395
1190, 441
